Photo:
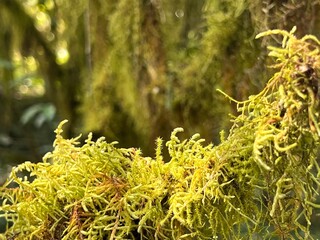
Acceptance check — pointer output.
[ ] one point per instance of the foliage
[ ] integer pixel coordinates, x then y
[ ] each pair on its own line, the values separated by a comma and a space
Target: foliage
100, 62
41, 112
260, 182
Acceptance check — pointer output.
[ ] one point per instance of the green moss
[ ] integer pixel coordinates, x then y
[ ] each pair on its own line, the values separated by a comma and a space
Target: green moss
260, 182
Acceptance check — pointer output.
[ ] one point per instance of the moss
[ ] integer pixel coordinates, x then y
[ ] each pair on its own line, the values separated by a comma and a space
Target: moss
260, 182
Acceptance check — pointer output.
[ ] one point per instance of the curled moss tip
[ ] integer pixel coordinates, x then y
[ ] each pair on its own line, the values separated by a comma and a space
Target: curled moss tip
59, 129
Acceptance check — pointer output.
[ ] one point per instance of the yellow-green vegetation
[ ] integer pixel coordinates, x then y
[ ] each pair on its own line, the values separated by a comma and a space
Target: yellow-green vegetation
260, 182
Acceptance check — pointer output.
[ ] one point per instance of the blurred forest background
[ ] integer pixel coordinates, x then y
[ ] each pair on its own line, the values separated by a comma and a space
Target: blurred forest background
131, 70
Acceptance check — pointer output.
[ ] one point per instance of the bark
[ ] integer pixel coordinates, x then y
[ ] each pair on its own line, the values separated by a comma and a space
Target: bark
155, 70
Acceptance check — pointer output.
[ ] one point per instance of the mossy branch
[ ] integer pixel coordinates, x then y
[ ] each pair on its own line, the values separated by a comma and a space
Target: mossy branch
261, 181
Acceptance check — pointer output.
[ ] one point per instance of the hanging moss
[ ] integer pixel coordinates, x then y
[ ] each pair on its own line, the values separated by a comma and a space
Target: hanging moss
168, 57
261, 182
285, 14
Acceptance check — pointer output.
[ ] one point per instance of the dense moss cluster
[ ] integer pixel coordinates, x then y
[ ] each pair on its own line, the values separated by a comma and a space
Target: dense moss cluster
260, 182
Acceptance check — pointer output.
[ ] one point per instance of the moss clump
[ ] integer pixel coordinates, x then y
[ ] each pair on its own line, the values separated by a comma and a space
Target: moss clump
260, 182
